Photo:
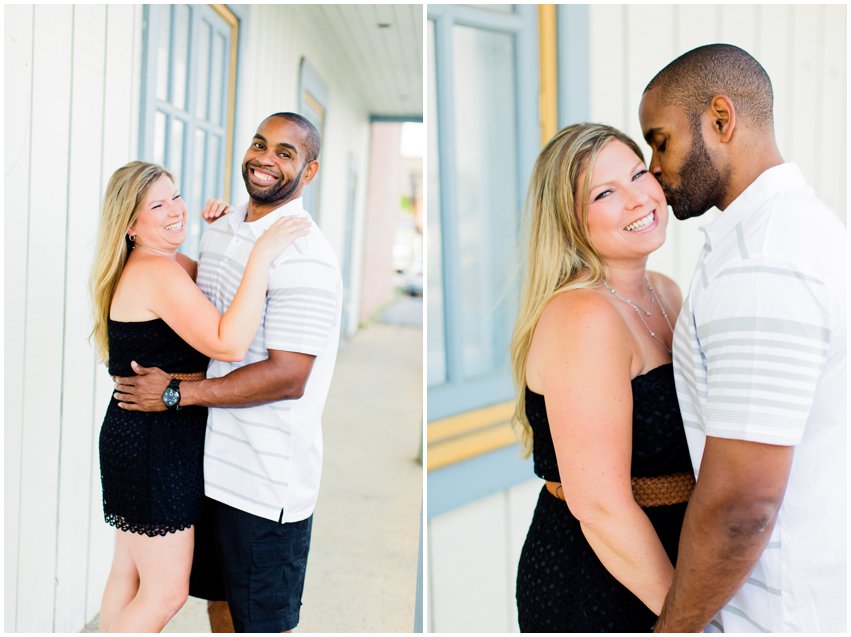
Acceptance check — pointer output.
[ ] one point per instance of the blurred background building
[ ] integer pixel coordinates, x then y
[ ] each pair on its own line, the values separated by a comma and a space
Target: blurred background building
502, 79
89, 88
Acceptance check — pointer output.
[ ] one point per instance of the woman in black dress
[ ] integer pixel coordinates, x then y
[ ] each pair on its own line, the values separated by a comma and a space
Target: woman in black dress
147, 308
591, 354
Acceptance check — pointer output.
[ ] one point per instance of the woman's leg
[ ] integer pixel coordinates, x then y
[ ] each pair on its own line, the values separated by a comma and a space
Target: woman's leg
164, 563
123, 582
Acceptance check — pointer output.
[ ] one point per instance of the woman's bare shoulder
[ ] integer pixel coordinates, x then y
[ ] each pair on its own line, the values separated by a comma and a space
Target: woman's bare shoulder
585, 306
577, 329
667, 288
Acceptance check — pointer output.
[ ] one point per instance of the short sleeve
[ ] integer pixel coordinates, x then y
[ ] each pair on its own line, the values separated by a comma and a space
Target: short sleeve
764, 332
303, 305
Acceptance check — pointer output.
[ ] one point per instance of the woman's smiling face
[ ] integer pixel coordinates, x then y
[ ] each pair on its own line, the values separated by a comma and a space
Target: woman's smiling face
627, 211
161, 221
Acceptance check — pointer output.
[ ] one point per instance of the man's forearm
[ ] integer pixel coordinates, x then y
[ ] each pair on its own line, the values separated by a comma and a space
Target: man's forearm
728, 523
254, 384
719, 545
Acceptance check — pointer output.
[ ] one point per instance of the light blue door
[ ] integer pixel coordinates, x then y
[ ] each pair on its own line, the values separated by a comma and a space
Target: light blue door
483, 137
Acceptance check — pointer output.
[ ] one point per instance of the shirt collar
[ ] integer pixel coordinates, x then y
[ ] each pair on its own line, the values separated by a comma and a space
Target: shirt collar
295, 207
771, 182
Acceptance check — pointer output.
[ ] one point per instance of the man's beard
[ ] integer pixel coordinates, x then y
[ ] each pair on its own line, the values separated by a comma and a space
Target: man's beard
701, 184
281, 191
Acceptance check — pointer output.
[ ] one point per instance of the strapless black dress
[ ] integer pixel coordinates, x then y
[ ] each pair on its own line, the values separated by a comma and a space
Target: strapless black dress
561, 584
152, 463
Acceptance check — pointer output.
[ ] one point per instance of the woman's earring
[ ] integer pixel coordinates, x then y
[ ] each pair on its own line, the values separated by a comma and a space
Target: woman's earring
132, 237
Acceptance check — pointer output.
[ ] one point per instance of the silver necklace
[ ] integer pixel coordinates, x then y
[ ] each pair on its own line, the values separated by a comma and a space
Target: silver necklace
635, 306
640, 311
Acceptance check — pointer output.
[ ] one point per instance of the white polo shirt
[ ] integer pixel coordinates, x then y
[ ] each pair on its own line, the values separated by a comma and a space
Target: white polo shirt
266, 460
759, 355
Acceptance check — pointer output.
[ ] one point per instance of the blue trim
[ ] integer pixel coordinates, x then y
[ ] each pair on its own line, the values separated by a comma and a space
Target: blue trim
146, 115
450, 399
459, 393
395, 118
573, 65
418, 601
472, 16
460, 484
444, 79
243, 14
310, 81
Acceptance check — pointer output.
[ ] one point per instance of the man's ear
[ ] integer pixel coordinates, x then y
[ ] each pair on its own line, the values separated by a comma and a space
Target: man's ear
310, 172
722, 115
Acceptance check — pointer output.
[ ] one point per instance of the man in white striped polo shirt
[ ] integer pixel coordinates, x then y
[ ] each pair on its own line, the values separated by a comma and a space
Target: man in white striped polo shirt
759, 356
263, 449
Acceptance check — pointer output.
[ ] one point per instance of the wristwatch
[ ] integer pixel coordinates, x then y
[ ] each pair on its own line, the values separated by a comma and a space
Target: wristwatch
171, 394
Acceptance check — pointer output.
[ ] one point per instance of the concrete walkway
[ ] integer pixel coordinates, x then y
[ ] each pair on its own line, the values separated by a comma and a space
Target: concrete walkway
361, 574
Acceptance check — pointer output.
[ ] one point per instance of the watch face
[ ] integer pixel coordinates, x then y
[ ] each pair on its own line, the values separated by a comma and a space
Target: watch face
171, 397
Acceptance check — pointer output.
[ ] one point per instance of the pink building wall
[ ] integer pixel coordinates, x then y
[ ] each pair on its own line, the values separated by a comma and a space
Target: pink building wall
382, 214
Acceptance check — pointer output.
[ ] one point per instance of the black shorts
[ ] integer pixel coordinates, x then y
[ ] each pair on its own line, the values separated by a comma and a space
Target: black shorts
255, 564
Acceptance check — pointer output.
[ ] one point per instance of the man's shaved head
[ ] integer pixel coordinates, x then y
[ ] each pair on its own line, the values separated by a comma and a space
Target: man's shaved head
694, 78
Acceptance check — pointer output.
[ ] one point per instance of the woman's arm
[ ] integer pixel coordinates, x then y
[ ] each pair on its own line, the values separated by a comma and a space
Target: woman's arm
583, 353
172, 295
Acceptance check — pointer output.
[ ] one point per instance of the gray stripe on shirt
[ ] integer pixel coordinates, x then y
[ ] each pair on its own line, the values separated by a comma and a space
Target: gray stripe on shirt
774, 373
288, 291
763, 324
254, 423
762, 387
248, 444
741, 613
759, 402
758, 343
764, 269
768, 589
246, 470
756, 357
740, 237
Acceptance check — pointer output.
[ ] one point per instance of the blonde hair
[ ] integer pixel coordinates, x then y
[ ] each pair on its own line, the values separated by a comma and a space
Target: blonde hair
560, 256
124, 194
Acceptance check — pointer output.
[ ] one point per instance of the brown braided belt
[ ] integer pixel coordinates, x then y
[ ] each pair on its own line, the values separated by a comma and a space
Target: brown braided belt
650, 492
181, 376
189, 376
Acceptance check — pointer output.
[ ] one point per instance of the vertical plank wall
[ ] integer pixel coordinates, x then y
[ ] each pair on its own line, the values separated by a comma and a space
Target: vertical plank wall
71, 119
473, 550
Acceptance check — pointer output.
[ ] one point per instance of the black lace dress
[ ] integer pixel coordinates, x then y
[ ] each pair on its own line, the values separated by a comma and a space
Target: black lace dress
561, 584
151, 463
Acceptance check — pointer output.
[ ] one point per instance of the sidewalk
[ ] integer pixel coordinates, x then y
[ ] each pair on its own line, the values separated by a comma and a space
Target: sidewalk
361, 573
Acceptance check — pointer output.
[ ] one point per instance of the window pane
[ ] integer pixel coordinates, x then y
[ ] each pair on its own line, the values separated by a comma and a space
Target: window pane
487, 202
435, 306
217, 79
159, 138
199, 166
497, 8
202, 73
213, 178
163, 48
175, 158
180, 56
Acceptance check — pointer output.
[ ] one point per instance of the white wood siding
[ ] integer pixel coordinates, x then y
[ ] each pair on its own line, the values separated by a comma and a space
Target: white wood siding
70, 120
803, 49
473, 553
